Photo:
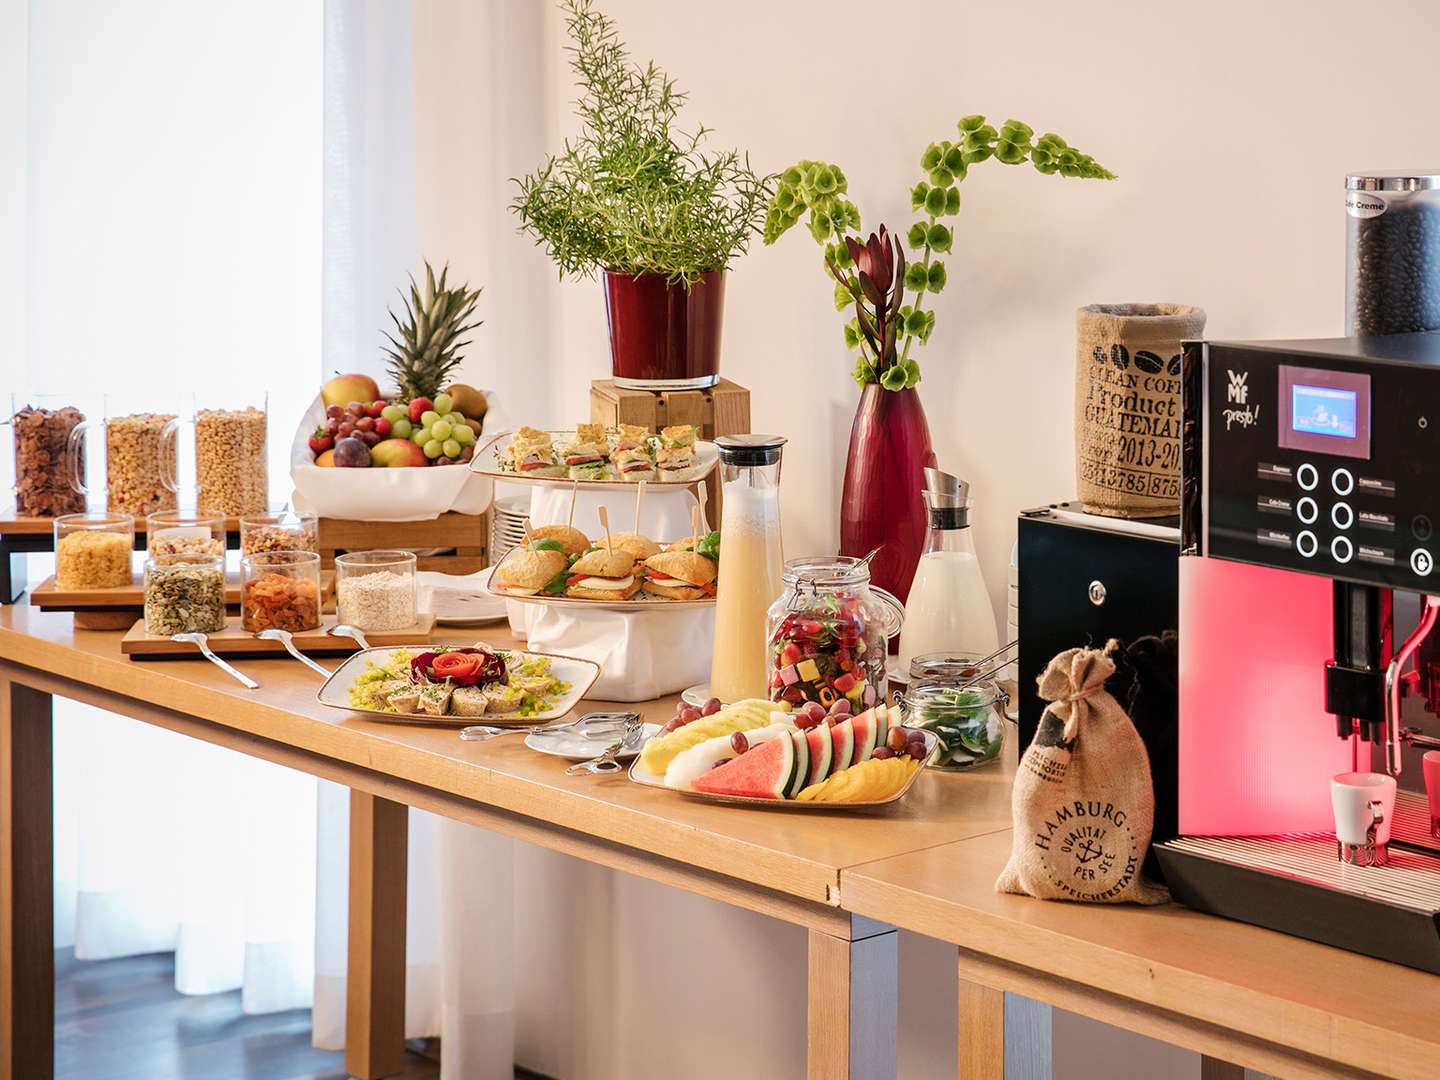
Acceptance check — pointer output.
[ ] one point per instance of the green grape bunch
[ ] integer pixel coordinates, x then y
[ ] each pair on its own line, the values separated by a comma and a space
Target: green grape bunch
884, 327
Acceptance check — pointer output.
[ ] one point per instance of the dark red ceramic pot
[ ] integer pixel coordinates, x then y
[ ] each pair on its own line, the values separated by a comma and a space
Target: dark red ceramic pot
664, 336
881, 506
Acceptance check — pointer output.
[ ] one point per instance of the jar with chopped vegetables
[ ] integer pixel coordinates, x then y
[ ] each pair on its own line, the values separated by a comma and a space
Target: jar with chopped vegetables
280, 590
967, 717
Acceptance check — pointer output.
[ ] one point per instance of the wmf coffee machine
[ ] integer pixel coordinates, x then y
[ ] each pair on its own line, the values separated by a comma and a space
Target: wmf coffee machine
1309, 543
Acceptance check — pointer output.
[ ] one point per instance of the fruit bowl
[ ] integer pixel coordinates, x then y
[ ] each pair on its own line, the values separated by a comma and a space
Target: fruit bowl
415, 493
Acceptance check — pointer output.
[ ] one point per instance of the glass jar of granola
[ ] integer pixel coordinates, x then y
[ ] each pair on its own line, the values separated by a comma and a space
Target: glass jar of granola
279, 530
185, 532
184, 593
140, 458
280, 590
92, 551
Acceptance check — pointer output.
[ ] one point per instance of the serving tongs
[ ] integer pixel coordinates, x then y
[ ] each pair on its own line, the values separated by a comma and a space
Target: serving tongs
201, 642
979, 672
598, 725
605, 762
286, 638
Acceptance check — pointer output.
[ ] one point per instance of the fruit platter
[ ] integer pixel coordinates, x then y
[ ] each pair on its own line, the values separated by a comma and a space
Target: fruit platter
764, 753
596, 456
559, 565
458, 685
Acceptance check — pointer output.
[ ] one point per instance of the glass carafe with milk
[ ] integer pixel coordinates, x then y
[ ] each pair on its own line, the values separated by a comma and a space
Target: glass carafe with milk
752, 564
949, 607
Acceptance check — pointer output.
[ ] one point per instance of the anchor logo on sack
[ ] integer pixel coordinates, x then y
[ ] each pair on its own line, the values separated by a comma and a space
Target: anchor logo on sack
1238, 393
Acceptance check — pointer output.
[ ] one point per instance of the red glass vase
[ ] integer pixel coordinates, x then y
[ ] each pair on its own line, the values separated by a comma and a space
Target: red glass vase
664, 336
881, 506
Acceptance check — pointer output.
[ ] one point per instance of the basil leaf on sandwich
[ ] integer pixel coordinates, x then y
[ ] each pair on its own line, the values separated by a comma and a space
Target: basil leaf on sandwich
556, 585
546, 545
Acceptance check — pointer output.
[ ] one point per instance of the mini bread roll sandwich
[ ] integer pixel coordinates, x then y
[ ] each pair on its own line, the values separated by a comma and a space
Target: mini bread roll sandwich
525, 573
642, 547
680, 575
569, 538
603, 575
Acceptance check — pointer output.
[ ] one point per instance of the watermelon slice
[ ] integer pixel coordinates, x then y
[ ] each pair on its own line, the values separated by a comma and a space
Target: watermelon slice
866, 728
765, 772
842, 738
802, 765
822, 752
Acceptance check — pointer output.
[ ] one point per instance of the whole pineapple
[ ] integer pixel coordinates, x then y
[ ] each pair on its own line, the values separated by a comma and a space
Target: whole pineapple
428, 348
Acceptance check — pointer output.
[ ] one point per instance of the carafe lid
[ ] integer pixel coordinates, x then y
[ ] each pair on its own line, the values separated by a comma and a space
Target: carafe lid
750, 450
1393, 180
947, 500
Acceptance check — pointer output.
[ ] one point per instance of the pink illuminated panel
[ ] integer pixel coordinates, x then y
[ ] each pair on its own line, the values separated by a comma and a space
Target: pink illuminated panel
1257, 748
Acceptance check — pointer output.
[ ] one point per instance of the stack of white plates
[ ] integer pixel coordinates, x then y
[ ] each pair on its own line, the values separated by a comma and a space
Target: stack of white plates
507, 530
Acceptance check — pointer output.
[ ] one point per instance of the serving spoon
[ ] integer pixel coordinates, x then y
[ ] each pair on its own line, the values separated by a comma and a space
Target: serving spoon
285, 638
201, 642
346, 630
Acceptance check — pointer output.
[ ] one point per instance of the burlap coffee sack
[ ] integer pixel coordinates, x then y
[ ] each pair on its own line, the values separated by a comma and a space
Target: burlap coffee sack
1127, 406
1082, 805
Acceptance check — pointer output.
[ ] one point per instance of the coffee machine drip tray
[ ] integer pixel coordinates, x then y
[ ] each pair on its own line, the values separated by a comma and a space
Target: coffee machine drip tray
1295, 884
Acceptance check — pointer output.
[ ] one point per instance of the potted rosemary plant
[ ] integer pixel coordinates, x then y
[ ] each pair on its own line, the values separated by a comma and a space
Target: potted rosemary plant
886, 295
646, 207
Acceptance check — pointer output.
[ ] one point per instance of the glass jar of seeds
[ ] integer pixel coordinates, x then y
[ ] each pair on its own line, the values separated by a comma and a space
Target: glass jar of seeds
185, 532
279, 530
230, 467
375, 590
184, 593
280, 590
1392, 279
92, 551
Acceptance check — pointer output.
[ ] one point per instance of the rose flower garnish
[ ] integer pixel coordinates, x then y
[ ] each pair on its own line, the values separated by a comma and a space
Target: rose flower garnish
463, 667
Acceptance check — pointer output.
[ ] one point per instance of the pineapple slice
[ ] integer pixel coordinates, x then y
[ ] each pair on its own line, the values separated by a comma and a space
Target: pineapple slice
744, 715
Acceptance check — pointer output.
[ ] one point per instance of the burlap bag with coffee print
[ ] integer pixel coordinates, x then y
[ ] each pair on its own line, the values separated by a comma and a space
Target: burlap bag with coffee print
1083, 806
1127, 406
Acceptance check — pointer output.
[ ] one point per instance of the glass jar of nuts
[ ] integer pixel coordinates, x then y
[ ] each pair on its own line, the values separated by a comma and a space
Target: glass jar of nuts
92, 551
230, 468
185, 532
279, 590
279, 530
140, 456
184, 593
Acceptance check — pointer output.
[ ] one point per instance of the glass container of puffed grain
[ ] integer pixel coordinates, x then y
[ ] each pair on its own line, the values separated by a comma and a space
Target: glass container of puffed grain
231, 474
280, 590
184, 593
185, 532
375, 590
92, 551
279, 530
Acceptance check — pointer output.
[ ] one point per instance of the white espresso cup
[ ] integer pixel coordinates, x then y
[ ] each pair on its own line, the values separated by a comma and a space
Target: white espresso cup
1364, 804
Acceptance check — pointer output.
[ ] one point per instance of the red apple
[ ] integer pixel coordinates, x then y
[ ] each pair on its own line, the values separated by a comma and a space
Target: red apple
419, 407
346, 388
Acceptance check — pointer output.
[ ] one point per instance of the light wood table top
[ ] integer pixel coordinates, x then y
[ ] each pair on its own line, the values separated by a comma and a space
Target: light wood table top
1115, 962
800, 854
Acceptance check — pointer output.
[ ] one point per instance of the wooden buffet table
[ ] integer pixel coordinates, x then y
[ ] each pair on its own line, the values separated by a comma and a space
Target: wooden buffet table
1235, 993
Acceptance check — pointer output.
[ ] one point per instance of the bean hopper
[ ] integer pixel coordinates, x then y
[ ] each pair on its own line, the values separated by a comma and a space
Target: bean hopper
1308, 593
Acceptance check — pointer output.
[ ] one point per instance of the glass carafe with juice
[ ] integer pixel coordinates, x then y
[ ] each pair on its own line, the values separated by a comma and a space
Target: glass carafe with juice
752, 563
949, 607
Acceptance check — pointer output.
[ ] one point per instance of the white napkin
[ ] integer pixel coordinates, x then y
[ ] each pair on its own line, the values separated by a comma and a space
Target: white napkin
457, 596
642, 654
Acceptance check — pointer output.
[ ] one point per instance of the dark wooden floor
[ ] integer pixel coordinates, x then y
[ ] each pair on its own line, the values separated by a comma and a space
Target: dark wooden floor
123, 1020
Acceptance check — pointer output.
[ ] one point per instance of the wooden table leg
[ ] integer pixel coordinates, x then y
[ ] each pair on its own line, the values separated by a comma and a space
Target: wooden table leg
27, 918
1002, 1035
375, 977
1215, 1069
852, 1011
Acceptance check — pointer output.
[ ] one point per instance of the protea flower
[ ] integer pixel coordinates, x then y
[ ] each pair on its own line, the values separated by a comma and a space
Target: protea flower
879, 280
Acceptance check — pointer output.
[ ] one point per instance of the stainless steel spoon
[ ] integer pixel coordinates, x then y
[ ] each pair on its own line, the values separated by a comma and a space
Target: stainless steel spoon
201, 642
346, 630
285, 638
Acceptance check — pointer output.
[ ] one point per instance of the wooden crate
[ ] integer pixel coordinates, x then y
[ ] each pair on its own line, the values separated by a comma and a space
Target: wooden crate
723, 409
465, 536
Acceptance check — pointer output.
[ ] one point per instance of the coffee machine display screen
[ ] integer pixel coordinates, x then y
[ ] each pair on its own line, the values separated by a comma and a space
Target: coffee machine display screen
1320, 410
1324, 411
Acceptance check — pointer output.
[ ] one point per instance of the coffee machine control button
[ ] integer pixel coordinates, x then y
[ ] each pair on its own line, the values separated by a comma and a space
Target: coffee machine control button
1343, 481
1307, 476
1421, 562
1306, 544
1306, 510
1421, 527
1342, 515
1341, 550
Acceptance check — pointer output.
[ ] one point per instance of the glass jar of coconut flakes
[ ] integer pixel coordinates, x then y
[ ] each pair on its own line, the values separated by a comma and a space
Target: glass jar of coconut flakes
375, 590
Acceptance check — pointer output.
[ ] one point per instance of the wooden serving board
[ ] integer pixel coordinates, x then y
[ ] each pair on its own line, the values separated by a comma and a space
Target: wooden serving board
232, 641
50, 597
